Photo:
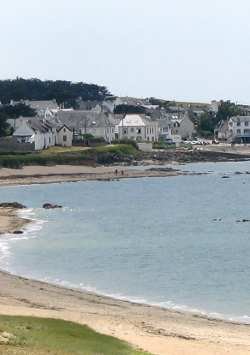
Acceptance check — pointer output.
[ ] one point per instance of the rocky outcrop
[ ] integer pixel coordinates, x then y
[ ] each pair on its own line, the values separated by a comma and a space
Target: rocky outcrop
49, 206
14, 205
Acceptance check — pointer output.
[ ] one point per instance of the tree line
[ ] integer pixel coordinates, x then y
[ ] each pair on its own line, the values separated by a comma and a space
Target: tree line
62, 91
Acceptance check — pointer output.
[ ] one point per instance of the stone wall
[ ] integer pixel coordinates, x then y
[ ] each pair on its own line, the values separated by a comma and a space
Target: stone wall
10, 144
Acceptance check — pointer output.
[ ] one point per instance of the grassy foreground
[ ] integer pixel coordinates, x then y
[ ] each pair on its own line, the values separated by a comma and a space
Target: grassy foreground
37, 336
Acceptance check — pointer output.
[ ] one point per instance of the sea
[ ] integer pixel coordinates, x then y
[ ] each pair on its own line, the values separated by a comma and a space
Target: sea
175, 242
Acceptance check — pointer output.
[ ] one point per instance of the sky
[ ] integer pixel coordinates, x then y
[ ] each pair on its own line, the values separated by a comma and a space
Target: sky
193, 50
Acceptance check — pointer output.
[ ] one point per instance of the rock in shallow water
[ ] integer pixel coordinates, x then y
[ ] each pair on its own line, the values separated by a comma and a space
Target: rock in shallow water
49, 206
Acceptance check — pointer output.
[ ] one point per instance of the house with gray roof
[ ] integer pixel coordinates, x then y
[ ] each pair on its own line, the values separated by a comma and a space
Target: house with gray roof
42, 133
138, 127
98, 124
183, 126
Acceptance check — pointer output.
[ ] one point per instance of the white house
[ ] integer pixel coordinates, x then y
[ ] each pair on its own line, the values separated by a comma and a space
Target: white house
42, 133
138, 127
33, 131
64, 136
239, 129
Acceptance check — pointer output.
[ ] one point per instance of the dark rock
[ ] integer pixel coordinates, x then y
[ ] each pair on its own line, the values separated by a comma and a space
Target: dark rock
15, 205
225, 177
18, 232
49, 206
243, 220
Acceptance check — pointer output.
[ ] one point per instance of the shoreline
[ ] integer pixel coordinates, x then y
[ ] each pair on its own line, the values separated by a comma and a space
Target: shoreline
153, 328
68, 173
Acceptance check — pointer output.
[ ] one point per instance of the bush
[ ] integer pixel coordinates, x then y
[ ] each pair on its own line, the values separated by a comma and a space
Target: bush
163, 145
126, 141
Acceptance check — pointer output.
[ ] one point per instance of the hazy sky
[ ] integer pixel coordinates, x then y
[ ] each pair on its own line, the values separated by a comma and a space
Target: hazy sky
173, 49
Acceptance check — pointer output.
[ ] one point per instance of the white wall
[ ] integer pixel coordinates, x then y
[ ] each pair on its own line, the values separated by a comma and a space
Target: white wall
64, 137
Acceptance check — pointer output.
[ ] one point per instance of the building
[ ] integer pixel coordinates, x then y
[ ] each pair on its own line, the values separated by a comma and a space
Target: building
239, 129
41, 133
34, 131
165, 129
183, 127
64, 136
221, 131
139, 128
98, 124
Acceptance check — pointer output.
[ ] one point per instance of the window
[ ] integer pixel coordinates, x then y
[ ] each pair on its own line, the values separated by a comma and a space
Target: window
246, 123
139, 130
246, 131
238, 123
132, 129
124, 131
64, 130
238, 131
65, 138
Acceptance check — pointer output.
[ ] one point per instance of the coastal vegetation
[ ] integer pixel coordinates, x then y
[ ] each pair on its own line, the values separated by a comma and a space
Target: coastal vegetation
36, 336
207, 122
72, 156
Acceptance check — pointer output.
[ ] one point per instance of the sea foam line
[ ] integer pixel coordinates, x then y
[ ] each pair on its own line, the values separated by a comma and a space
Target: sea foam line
168, 305
29, 232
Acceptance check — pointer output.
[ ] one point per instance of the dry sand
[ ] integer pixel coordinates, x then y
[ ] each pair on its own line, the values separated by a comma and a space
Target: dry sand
62, 173
154, 329
10, 222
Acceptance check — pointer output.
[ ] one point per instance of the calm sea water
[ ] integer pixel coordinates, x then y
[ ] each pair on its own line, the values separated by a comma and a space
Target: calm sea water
149, 240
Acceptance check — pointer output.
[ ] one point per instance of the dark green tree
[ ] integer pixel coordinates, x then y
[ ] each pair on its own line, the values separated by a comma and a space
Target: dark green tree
5, 129
61, 90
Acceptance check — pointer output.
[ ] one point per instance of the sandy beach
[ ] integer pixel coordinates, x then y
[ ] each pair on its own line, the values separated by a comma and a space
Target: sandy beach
70, 173
10, 222
157, 330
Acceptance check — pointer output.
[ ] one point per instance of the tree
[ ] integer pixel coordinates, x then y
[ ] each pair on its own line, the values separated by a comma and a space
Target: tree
4, 126
226, 110
63, 91
18, 110
207, 122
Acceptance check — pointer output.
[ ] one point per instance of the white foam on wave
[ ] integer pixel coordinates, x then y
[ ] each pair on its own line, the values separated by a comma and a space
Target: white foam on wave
29, 232
245, 319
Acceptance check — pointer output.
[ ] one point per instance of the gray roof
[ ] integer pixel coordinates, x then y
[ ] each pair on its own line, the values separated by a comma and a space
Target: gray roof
42, 104
38, 125
79, 119
164, 123
240, 118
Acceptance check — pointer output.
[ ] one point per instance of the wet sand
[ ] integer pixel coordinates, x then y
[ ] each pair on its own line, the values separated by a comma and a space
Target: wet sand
70, 173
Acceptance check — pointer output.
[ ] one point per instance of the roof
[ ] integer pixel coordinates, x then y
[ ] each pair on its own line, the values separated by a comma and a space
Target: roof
63, 126
240, 118
24, 131
30, 125
132, 121
42, 104
80, 119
